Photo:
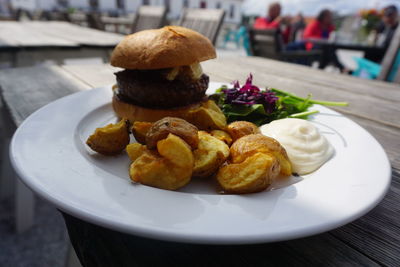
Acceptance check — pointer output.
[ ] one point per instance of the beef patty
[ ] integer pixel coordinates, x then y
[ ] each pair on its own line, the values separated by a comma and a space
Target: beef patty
150, 88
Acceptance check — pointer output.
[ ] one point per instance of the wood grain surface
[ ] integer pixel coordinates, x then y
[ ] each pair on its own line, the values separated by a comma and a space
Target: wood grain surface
27, 89
372, 240
53, 34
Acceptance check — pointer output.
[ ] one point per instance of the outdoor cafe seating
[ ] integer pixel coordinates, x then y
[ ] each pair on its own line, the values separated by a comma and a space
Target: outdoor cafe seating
63, 204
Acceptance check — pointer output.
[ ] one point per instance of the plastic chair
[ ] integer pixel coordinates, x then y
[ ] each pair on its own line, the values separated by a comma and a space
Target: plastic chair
239, 37
366, 69
370, 70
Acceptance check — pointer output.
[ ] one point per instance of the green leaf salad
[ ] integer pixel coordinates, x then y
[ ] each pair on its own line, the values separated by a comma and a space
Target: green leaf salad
250, 103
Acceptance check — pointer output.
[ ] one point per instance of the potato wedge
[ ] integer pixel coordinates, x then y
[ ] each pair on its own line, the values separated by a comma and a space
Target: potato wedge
179, 127
250, 144
239, 129
252, 175
209, 155
207, 117
110, 139
140, 129
222, 135
170, 168
176, 150
135, 150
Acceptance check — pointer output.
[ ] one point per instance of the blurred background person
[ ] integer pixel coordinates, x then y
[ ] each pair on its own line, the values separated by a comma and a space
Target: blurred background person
274, 20
385, 31
321, 27
297, 27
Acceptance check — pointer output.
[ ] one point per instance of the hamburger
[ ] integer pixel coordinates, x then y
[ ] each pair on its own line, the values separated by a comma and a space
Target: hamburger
162, 75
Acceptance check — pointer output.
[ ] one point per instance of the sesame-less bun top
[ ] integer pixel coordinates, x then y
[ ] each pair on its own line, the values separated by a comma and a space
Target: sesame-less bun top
167, 47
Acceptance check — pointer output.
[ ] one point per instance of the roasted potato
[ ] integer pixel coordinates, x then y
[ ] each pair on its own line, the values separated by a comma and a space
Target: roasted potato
250, 144
169, 168
252, 175
209, 155
110, 139
140, 129
179, 127
135, 150
207, 117
222, 135
239, 129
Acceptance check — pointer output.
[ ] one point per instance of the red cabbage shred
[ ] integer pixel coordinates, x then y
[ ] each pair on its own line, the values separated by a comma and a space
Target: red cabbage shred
250, 94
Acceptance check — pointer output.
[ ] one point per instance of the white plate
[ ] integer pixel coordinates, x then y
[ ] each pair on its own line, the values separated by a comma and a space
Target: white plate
49, 153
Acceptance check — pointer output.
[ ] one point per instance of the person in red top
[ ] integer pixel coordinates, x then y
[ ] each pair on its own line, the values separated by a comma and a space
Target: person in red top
273, 21
321, 27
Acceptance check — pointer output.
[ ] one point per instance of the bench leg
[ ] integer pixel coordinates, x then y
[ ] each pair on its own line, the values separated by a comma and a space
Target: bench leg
72, 260
9, 182
6, 171
24, 206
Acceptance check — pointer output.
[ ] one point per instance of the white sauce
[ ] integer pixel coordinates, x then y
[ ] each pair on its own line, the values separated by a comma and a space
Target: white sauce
306, 147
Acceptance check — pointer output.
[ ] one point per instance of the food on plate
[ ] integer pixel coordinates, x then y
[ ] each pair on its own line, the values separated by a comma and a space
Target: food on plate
306, 147
135, 150
222, 135
252, 175
179, 127
139, 130
207, 117
169, 167
162, 77
182, 133
209, 155
110, 139
254, 162
239, 129
257, 143
250, 103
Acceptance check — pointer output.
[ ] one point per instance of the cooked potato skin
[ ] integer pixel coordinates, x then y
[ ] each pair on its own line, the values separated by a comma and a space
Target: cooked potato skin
179, 127
223, 136
239, 129
140, 129
207, 117
252, 175
110, 139
209, 155
170, 168
250, 144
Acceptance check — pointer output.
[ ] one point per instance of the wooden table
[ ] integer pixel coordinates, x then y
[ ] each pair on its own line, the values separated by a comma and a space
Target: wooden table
348, 45
27, 43
372, 240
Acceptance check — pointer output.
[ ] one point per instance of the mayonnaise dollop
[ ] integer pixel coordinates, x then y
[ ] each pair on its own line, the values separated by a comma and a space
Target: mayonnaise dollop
306, 147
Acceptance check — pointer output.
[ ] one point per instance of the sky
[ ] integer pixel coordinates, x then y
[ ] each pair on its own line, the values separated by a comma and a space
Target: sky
311, 7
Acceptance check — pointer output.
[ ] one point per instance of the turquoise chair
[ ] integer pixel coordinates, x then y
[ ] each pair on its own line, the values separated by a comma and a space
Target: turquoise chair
240, 37
370, 70
366, 69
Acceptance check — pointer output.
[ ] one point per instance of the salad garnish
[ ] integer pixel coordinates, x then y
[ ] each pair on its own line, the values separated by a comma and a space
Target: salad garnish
250, 103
